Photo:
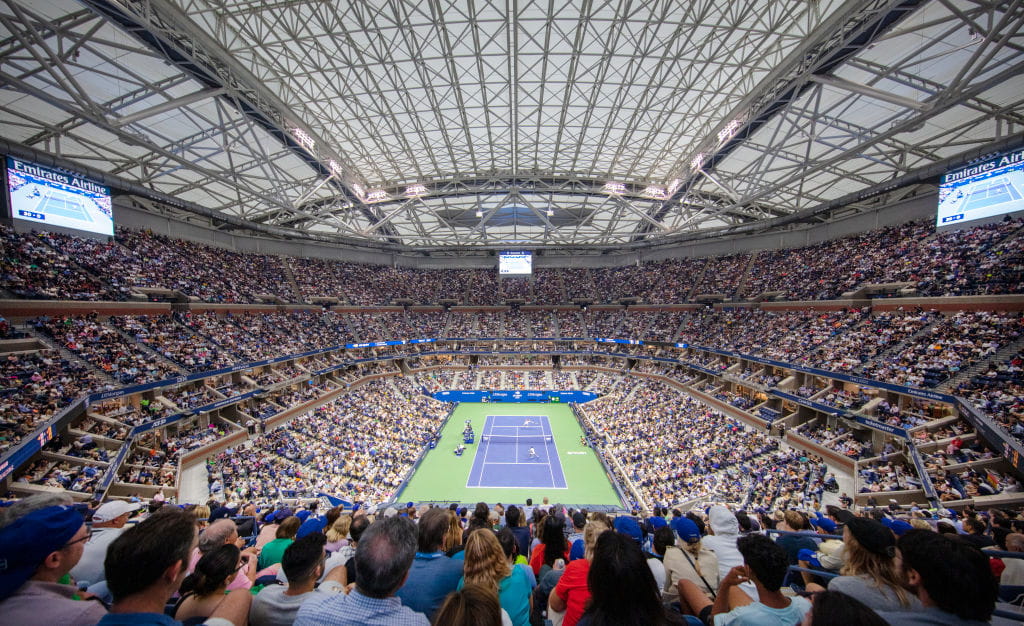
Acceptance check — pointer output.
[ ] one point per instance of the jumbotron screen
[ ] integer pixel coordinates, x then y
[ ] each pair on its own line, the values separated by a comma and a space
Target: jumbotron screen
515, 263
58, 198
982, 190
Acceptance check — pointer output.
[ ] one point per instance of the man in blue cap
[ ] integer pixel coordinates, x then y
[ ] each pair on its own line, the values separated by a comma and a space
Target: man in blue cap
36, 551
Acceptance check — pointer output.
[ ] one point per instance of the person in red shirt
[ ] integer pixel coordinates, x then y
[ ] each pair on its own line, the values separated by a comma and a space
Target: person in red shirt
552, 546
572, 592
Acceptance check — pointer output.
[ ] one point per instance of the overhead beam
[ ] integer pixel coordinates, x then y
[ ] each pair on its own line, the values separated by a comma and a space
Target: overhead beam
170, 105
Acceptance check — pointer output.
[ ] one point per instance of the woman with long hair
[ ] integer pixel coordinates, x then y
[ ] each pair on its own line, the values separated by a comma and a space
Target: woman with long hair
453, 538
337, 533
572, 592
622, 587
870, 573
689, 560
204, 589
479, 519
473, 605
552, 545
487, 566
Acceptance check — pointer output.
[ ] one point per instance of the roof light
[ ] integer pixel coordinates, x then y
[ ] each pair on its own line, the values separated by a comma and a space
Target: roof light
673, 186
304, 139
697, 162
550, 212
730, 129
356, 187
415, 190
377, 195
615, 188
653, 191
479, 213
334, 167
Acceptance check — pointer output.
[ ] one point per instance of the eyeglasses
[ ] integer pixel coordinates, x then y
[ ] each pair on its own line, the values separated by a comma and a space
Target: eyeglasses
87, 537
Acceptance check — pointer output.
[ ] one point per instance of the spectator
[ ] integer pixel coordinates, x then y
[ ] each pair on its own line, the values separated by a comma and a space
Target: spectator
487, 566
765, 564
383, 558
871, 574
225, 532
622, 589
689, 560
723, 542
107, 525
795, 522
950, 577
146, 565
303, 564
343, 557
273, 552
832, 607
551, 548
1013, 572
514, 521
572, 591
203, 590
36, 551
473, 605
433, 575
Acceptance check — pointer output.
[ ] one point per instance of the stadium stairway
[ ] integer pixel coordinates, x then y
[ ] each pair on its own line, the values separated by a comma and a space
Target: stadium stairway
52, 344
145, 347
697, 280
1002, 355
900, 347
294, 284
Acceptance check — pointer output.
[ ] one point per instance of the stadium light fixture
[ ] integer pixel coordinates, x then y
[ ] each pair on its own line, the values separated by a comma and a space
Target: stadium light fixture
673, 186
415, 190
730, 129
614, 188
479, 213
377, 195
655, 192
335, 168
356, 187
304, 139
550, 212
697, 162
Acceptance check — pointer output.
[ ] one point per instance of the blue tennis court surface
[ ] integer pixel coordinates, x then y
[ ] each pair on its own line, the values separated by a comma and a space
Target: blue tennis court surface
997, 193
517, 451
65, 205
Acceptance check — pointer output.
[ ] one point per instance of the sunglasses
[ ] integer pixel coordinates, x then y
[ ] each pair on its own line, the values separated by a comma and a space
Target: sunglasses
87, 537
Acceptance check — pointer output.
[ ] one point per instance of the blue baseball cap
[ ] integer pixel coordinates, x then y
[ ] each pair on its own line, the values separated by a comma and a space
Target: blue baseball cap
824, 523
29, 539
685, 529
310, 526
628, 526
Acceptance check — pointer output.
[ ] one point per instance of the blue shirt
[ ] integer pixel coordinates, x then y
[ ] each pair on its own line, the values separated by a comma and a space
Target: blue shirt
355, 608
133, 619
431, 577
514, 593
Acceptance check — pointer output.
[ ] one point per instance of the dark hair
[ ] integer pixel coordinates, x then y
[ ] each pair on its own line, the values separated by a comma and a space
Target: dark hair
744, 520
384, 556
433, 527
974, 526
767, 559
301, 559
140, 555
833, 607
288, 528
955, 574
623, 589
701, 527
663, 538
212, 571
507, 541
553, 538
358, 527
471, 606
512, 516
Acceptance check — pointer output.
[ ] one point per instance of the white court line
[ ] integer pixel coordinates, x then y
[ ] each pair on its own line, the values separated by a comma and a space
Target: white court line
483, 466
551, 470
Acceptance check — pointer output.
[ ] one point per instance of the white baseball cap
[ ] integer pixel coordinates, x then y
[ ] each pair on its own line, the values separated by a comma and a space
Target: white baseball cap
114, 509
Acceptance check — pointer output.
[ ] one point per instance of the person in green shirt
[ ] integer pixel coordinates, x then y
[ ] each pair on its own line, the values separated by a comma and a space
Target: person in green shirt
273, 552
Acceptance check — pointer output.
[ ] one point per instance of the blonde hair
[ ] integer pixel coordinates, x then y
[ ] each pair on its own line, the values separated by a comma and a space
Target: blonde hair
881, 570
453, 537
202, 512
339, 529
591, 532
485, 563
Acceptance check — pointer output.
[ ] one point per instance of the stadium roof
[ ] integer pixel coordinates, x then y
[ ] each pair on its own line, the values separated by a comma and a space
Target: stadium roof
432, 125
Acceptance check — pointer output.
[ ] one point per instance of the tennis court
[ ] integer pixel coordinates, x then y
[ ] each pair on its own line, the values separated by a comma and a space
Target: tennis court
517, 451
64, 205
565, 469
998, 192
